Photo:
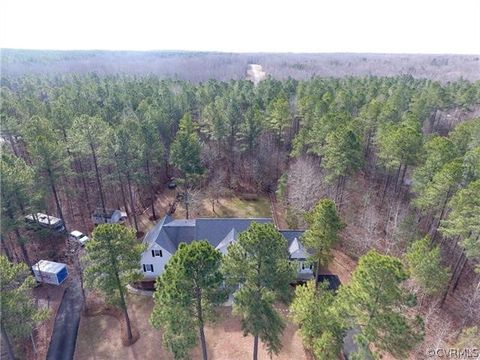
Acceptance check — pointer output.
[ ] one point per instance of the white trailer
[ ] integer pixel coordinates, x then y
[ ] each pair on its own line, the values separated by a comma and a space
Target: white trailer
50, 272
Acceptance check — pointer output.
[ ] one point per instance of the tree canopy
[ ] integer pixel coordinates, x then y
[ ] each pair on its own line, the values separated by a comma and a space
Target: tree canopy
374, 302
324, 224
257, 266
20, 315
191, 286
426, 267
112, 262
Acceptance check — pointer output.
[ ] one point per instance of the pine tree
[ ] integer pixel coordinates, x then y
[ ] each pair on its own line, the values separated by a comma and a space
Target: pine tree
425, 266
278, 115
48, 155
398, 145
437, 151
374, 302
342, 155
127, 155
19, 312
151, 154
185, 155
191, 284
113, 258
464, 219
324, 223
320, 327
88, 135
17, 184
257, 266
444, 184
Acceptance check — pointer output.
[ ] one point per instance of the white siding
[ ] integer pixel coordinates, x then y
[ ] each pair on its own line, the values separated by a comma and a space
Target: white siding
306, 264
158, 262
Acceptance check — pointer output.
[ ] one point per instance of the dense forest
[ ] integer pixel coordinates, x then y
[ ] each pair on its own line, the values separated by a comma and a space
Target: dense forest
202, 66
399, 156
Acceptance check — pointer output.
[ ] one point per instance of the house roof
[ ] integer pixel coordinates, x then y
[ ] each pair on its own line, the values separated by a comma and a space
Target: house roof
216, 229
296, 250
295, 246
219, 232
291, 235
227, 240
179, 231
158, 235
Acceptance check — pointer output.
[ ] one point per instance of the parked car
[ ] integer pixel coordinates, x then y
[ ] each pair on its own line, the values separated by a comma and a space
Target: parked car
79, 237
45, 221
172, 184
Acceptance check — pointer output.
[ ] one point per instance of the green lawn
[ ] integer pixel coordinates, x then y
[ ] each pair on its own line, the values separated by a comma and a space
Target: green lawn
241, 207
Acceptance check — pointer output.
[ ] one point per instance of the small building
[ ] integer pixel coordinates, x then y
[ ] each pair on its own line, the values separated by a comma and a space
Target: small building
50, 272
109, 216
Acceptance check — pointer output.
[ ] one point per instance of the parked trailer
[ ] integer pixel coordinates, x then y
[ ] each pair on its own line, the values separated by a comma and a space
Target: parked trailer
46, 221
50, 272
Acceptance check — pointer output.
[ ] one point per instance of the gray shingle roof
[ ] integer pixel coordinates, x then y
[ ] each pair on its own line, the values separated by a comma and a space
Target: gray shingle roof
180, 231
159, 235
230, 238
290, 235
216, 229
219, 232
297, 250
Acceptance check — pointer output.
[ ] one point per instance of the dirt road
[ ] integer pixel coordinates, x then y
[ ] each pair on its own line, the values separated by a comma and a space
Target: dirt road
255, 73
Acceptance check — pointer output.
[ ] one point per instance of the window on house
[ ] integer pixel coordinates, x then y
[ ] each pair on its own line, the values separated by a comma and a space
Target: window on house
157, 253
147, 268
311, 267
303, 266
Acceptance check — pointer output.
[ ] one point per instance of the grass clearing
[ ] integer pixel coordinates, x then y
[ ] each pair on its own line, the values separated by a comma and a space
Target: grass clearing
227, 207
242, 207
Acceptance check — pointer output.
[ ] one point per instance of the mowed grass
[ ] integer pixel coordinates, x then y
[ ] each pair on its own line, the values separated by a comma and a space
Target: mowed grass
242, 207
229, 207
99, 338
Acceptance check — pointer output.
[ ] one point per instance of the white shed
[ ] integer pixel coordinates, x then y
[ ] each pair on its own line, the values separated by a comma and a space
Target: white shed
109, 216
50, 272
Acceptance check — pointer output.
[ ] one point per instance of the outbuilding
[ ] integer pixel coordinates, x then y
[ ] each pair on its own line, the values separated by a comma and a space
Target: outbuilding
109, 216
50, 272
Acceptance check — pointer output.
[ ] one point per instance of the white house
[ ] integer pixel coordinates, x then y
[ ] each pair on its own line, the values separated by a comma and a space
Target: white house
164, 238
